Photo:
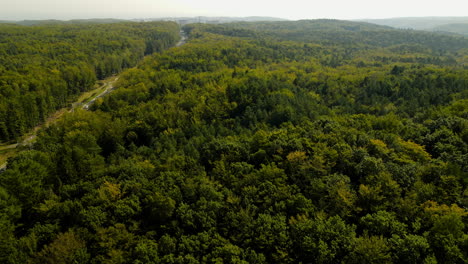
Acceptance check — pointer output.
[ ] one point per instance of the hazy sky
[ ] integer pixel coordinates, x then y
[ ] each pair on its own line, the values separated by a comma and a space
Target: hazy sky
291, 9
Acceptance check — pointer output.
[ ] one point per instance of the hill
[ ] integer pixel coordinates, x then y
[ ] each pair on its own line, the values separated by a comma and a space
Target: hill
43, 67
270, 142
213, 20
342, 34
181, 20
419, 23
455, 25
58, 22
460, 28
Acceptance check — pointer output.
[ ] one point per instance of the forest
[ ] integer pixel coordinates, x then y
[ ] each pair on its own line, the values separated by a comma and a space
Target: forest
43, 68
457, 25
315, 141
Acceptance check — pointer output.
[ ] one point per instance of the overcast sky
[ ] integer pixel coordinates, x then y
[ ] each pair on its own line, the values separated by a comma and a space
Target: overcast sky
290, 9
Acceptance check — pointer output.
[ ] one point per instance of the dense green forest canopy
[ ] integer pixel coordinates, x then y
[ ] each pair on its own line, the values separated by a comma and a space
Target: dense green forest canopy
347, 34
279, 142
42, 68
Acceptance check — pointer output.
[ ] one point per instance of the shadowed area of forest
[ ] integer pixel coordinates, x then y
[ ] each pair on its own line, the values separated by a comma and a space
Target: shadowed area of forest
319, 141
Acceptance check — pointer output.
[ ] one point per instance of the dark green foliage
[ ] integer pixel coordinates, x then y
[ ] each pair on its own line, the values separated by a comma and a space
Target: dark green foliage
256, 143
44, 67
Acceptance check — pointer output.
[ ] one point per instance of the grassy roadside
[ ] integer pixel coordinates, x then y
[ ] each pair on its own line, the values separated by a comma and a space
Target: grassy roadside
100, 87
10, 150
5, 154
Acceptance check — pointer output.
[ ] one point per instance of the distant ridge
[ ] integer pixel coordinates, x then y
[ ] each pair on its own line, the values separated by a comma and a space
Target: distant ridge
216, 20
182, 20
73, 21
449, 25
420, 23
458, 28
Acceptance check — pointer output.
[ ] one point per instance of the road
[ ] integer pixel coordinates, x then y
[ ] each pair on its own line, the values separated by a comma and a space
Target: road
183, 38
109, 87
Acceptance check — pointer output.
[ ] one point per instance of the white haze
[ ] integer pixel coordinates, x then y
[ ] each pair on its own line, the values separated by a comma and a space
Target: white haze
290, 9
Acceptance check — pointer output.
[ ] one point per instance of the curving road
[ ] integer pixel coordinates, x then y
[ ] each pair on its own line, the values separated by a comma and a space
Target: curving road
183, 38
85, 106
110, 87
58, 114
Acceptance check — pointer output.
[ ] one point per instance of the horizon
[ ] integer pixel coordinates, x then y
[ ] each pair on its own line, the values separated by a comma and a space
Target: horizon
234, 17
292, 10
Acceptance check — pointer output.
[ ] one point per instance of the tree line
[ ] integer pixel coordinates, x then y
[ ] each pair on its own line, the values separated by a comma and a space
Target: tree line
252, 149
43, 68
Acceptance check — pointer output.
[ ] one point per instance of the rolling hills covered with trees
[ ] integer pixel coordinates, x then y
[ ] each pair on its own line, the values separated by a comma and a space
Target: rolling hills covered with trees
458, 25
459, 28
273, 142
42, 68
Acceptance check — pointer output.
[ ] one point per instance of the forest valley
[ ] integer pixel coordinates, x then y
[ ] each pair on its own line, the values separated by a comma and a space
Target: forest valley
313, 141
